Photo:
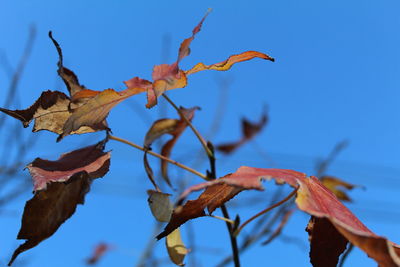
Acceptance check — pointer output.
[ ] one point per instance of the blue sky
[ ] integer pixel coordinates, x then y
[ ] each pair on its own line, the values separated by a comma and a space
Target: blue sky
335, 77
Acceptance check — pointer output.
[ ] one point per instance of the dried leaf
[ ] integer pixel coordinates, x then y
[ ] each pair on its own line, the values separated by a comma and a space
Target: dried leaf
90, 159
212, 198
160, 205
158, 129
312, 197
334, 184
176, 248
176, 133
98, 253
326, 243
249, 130
228, 63
170, 76
67, 185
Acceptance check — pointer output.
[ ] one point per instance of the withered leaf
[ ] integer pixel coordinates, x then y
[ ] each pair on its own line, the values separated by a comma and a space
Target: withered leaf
326, 243
312, 197
160, 205
249, 130
212, 198
98, 253
176, 248
174, 127
170, 76
68, 180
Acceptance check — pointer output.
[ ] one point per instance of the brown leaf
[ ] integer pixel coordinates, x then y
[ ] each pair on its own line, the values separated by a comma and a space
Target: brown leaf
212, 198
312, 197
335, 184
249, 130
326, 243
68, 180
98, 253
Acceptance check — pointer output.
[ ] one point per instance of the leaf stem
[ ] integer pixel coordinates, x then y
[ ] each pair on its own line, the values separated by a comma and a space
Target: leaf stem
266, 210
222, 219
159, 156
195, 131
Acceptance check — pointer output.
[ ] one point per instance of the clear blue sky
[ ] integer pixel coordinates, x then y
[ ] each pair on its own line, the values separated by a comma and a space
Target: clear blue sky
336, 77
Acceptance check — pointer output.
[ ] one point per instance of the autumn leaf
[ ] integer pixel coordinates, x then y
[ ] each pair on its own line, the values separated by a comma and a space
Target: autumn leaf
59, 187
326, 243
161, 207
335, 185
174, 127
170, 76
249, 130
312, 197
98, 253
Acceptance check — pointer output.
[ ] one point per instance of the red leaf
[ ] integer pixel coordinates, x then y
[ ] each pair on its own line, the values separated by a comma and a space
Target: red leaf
98, 253
68, 180
312, 197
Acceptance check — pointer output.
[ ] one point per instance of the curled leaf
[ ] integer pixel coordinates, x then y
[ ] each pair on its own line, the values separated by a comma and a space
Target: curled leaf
228, 63
312, 197
249, 130
60, 186
176, 248
174, 127
170, 76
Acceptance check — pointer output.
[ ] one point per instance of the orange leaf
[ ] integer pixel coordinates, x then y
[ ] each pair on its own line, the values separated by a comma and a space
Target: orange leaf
228, 63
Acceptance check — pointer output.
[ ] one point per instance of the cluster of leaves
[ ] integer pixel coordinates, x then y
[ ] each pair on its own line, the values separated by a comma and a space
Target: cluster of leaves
60, 185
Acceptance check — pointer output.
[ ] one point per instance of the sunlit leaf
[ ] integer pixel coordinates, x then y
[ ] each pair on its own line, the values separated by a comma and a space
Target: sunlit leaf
176, 248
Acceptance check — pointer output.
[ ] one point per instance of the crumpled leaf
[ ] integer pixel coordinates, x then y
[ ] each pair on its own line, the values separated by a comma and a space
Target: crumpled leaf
174, 127
326, 243
160, 205
98, 253
335, 184
68, 180
312, 197
176, 248
170, 76
249, 130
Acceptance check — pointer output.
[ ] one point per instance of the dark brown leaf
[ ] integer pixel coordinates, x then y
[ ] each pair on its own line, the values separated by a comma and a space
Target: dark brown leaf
59, 187
326, 243
249, 130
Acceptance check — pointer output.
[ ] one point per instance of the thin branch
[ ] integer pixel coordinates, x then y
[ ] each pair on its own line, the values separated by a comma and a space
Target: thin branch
266, 210
345, 255
198, 135
159, 156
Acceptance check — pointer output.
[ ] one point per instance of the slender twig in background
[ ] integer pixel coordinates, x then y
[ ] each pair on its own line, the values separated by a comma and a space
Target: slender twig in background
147, 253
158, 156
195, 131
266, 210
322, 166
12, 90
345, 255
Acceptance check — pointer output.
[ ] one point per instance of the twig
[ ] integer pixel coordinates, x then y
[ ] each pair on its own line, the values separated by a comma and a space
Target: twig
266, 210
222, 219
159, 156
198, 135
